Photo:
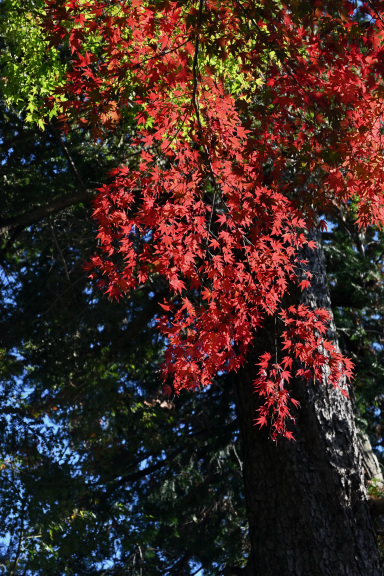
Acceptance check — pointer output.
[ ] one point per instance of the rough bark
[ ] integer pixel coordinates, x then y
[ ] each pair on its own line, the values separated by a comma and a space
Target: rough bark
371, 466
306, 499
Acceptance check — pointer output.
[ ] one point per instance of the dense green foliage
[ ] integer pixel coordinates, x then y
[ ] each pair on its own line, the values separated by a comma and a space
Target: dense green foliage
355, 261
30, 69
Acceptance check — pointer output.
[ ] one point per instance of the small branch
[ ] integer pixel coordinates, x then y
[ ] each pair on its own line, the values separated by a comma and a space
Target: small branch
238, 458
61, 256
146, 471
68, 155
81, 278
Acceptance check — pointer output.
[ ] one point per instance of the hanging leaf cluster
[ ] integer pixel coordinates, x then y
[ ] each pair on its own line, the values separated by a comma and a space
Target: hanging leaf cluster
251, 119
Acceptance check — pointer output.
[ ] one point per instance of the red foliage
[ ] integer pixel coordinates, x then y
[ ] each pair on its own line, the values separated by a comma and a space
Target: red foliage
228, 180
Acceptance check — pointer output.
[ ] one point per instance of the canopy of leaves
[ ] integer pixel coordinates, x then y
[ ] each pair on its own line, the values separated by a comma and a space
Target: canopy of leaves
230, 173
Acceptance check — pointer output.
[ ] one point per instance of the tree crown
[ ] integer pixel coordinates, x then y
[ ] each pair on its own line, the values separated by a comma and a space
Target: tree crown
251, 119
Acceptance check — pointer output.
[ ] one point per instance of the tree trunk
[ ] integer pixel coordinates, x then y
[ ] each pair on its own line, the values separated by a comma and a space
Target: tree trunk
307, 504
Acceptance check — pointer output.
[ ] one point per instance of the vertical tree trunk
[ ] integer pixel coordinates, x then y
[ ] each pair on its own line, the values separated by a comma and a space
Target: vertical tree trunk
306, 500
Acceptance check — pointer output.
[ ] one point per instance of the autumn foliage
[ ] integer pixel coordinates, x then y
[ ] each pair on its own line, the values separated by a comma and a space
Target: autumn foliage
252, 119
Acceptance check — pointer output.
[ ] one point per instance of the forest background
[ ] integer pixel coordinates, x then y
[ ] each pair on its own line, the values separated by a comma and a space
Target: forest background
101, 473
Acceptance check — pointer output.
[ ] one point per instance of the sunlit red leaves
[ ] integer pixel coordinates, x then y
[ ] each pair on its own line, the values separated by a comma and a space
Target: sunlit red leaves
219, 200
304, 344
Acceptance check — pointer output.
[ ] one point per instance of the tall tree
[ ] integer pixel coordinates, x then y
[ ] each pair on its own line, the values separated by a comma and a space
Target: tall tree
232, 170
114, 395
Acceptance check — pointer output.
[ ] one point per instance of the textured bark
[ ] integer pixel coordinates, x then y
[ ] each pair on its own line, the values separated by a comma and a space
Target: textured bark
371, 466
307, 504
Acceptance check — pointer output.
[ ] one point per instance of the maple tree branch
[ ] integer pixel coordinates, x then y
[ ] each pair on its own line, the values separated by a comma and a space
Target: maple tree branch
375, 11
195, 67
38, 213
162, 53
16, 224
197, 111
148, 470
